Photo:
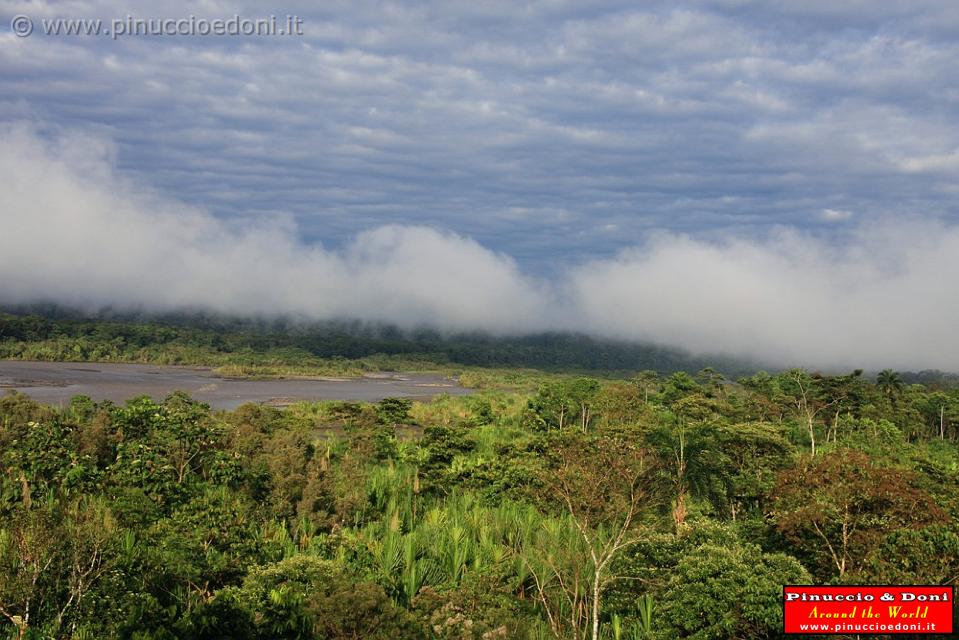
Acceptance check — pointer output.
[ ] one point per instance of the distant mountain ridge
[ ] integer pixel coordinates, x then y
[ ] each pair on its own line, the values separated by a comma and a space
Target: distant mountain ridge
355, 339
286, 338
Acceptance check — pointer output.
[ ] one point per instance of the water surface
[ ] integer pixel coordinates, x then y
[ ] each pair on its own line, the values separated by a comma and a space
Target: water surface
56, 382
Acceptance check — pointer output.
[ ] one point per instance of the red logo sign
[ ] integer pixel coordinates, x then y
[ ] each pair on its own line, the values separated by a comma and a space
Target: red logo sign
868, 610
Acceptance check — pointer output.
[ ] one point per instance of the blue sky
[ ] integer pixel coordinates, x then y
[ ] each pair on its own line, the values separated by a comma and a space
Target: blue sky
552, 134
541, 129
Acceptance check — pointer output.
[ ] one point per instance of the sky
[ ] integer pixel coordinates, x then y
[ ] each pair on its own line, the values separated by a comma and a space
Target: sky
775, 179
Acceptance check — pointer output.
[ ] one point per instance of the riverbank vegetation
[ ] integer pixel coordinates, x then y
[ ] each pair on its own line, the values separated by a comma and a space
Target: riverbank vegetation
250, 348
656, 506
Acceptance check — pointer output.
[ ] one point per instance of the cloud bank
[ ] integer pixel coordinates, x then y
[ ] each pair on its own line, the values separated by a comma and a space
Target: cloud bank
76, 231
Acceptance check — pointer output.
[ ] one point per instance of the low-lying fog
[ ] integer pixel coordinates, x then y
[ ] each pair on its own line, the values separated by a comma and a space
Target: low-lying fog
77, 233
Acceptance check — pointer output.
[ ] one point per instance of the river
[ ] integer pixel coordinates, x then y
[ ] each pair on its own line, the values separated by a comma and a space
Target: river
56, 382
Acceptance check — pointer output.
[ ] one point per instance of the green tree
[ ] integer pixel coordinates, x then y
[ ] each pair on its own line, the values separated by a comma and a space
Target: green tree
394, 411
603, 483
812, 396
940, 411
562, 403
305, 596
729, 592
890, 383
678, 386
838, 509
437, 450
689, 464
51, 558
648, 383
751, 456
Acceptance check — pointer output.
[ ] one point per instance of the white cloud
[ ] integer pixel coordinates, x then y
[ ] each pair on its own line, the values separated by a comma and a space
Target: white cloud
878, 301
76, 231
835, 215
939, 162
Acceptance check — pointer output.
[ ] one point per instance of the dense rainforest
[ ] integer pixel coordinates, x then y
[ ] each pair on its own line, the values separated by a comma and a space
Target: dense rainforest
271, 347
242, 346
649, 507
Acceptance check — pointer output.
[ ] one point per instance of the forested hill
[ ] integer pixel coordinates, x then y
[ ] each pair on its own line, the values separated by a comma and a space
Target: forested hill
56, 334
259, 346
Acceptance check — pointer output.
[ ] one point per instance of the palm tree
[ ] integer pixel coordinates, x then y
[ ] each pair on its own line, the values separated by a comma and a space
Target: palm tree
890, 382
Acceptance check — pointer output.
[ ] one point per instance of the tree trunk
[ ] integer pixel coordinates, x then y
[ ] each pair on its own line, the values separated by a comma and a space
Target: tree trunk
812, 435
679, 511
596, 605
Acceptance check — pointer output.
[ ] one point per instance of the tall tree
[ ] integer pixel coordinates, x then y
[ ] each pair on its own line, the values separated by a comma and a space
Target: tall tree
838, 509
602, 484
688, 464
804, 397
890, 383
